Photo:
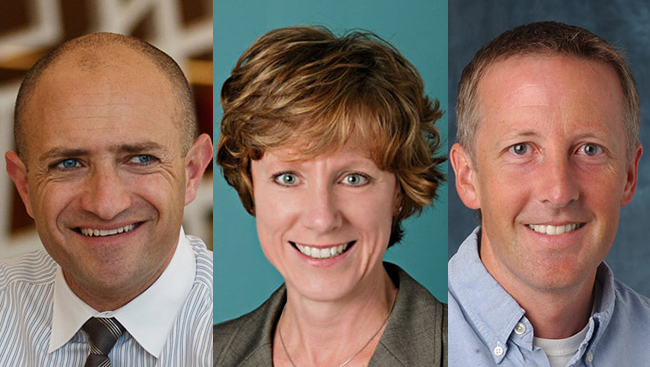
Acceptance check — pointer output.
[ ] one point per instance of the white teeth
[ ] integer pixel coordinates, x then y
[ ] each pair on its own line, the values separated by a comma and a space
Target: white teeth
322, 253
105, 232
553, 230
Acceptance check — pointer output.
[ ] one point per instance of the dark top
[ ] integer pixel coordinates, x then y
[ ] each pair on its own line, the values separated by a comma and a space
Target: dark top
416, 334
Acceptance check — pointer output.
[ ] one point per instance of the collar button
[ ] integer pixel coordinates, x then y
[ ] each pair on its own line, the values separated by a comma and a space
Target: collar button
520, 328
498, 350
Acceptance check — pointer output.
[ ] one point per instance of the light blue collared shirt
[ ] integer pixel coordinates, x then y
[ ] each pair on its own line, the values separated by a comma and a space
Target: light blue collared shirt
487, 327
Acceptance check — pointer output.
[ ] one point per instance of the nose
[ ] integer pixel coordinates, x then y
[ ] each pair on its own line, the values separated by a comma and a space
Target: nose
321, 209
559, 182
106, 194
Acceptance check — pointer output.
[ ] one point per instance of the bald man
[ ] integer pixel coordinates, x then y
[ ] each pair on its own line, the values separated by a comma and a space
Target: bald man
106, 159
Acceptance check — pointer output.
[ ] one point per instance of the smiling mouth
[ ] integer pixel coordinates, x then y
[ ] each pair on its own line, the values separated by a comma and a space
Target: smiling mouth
555, 230
92, 232
323, 252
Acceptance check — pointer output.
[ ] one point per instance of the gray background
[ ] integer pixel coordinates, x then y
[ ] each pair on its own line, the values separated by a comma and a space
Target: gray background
623, 23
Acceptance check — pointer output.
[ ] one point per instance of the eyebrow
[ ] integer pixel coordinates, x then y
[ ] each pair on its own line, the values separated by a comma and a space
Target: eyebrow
59, 152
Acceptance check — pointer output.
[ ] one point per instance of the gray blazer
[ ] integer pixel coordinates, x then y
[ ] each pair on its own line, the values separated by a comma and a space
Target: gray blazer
416, 334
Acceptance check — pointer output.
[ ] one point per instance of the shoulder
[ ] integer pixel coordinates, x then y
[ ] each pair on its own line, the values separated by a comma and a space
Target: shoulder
416, 297
624, 325
204, 262
631, 302
200, 300
248, 338
617, 299
26, 290
36, 268
417, 330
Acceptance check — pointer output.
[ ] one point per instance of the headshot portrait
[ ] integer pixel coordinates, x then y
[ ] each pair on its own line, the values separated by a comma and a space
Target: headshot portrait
549, 186
107, 153
330, 141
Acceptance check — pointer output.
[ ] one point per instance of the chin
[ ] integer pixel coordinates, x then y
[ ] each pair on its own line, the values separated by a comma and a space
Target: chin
559, 278
323, 291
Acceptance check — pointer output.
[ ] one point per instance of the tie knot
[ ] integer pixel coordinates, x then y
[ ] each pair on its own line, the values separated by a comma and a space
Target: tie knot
103, 333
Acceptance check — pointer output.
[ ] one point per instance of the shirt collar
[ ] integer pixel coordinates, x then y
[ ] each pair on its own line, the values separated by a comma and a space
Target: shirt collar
604, 307
494, 313
148, 318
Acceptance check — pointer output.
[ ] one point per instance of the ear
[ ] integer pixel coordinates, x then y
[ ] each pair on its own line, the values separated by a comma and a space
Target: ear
196, 161
632, 174
18, 173
464, 170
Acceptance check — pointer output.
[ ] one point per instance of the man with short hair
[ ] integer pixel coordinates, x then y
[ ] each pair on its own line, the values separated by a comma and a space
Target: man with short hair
548, 126
106, 159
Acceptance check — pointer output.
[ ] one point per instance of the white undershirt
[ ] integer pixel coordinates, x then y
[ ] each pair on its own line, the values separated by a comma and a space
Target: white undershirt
560, 351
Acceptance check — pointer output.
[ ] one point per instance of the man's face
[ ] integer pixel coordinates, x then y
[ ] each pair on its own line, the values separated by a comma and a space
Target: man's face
106, 180
551, 171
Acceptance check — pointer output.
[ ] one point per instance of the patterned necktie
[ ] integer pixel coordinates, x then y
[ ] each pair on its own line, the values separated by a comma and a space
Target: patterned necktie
102, 334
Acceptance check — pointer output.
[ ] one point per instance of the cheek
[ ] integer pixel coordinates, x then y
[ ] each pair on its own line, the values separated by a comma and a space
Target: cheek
372, 216
50, 200
164, 193
501, 194
274, 216
603, 198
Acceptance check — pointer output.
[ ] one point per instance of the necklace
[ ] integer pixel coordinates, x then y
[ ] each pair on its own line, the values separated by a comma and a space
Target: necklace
284, 347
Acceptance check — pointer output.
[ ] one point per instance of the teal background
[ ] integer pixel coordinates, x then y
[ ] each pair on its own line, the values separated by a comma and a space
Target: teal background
243, 278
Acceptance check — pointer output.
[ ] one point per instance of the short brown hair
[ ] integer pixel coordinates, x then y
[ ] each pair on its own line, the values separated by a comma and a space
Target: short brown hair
305, 87
546, 38
187, 113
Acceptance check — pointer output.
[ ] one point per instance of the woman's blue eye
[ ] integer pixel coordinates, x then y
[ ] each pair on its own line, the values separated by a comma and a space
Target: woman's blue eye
68, 164
355, 179
287, 179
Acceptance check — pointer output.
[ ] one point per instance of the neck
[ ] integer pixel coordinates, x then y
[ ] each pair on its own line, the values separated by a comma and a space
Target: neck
104, 300
555, 313
318, 333
556, 318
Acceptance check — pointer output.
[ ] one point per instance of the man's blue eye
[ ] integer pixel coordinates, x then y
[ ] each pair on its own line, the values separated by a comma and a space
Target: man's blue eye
519, 149
591, 149
68, 164
143, 159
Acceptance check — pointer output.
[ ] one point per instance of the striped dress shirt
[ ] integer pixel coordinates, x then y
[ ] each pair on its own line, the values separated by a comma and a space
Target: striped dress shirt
27, 292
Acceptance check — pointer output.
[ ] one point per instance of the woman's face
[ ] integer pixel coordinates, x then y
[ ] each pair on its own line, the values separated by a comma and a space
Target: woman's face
324, 223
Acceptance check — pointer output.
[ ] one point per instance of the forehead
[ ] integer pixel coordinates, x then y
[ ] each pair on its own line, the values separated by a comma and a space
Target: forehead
124, 100
322, 140
300, 155
547, 91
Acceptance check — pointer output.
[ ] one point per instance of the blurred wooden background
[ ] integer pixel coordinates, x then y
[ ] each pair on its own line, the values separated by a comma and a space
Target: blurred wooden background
30, 28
